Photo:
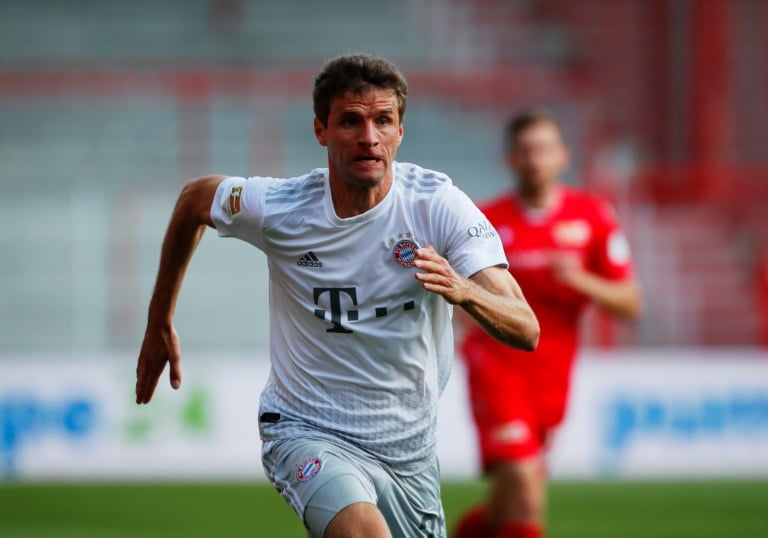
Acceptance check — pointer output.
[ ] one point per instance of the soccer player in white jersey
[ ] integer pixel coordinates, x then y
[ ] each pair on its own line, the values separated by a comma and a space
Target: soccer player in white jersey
366, 259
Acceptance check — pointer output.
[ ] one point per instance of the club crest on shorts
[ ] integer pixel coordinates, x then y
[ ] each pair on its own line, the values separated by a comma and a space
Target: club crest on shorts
308, 469
404, 252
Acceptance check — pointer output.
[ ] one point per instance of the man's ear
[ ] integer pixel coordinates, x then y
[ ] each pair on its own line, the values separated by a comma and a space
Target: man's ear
400, 135
320, 132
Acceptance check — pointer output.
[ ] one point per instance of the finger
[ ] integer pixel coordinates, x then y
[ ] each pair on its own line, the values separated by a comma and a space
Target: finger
434, 280
426, 252
146, 382
174, 359
427, 257
438, 285
140, 373
431, 276
175, 372
145, 388
432, 268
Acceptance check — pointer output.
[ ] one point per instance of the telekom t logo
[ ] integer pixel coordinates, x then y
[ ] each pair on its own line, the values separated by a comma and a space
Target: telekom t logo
336, 310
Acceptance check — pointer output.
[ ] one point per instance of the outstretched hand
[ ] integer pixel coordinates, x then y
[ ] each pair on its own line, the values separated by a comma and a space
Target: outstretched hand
438, 276
159, 347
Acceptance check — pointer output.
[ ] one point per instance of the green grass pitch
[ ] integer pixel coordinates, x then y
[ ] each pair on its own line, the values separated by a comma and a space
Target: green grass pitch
626, 509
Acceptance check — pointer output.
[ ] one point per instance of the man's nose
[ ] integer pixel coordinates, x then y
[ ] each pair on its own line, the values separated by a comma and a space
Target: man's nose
369, 135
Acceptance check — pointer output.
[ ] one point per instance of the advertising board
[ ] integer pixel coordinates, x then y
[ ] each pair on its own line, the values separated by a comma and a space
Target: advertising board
661, 413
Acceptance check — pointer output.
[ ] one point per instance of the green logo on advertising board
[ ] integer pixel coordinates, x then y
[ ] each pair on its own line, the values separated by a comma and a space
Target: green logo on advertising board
188, 412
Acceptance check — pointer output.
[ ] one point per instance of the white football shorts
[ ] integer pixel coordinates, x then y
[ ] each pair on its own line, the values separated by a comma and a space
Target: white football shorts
318, 478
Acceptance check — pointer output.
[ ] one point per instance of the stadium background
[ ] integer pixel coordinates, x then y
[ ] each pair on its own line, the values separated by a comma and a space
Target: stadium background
108, 107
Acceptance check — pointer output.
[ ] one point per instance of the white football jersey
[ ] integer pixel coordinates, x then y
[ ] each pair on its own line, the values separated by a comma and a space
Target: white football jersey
360, 352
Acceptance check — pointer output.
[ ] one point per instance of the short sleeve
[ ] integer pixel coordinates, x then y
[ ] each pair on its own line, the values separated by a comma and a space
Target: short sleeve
237, 209
612, 251
470, 242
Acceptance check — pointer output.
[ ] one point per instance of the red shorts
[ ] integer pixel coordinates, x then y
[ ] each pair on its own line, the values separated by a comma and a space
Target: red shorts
514, 420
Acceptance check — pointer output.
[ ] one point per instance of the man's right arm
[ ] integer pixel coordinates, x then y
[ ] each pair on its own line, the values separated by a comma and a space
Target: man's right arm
190, 217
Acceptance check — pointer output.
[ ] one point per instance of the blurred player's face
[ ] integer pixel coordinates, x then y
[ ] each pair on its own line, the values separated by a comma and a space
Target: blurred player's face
538, 156
362, 137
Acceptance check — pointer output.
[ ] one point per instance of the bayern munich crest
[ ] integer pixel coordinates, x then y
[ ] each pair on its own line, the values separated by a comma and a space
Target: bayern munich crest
404, 252
308, 469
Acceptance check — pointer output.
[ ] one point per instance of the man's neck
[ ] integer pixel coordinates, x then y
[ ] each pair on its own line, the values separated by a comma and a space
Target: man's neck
541, 199
350, 201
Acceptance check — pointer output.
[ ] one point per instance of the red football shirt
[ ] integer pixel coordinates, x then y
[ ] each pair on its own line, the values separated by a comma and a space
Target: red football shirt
578, 225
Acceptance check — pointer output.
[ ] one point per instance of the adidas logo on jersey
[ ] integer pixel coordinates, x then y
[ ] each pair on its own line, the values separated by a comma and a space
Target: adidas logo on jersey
309, 260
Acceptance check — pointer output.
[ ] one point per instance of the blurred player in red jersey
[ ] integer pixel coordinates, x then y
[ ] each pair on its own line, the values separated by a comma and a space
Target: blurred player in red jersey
566, 249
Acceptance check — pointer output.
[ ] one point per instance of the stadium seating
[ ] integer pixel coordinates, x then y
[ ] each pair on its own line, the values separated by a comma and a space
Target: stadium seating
112, 105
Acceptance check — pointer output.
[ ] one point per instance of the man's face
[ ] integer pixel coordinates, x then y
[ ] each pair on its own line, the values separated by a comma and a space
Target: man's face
362, 137
538, 156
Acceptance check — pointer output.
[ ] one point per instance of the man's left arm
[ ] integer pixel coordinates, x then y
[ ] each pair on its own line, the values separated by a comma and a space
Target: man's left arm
607, 278
621, 297
491, 296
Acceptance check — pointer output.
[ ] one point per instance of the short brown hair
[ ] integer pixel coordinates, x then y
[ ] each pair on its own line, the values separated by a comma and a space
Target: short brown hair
524, 119
355, 73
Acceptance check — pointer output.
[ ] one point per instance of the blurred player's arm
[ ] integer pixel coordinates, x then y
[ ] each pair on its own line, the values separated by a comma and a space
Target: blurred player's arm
190, 217
620, 297
491, 296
